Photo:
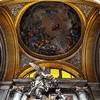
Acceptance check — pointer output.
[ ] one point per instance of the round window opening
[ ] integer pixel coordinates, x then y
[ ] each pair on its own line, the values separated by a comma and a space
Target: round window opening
50, 28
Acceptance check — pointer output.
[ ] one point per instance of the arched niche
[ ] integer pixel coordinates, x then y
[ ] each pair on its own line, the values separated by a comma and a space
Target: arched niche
88, 54
11, 49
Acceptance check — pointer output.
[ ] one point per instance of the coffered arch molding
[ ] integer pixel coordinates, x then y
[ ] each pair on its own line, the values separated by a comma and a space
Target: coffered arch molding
89, 45
7, 24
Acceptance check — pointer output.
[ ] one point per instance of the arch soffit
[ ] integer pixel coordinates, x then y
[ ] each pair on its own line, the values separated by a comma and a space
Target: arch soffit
7, 24
88, 45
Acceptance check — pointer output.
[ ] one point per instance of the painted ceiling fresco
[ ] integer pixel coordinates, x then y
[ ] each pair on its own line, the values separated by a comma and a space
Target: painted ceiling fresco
50, 28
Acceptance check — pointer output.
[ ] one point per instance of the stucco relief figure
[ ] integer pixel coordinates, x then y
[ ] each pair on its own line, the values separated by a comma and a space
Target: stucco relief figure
82, 93
59, 95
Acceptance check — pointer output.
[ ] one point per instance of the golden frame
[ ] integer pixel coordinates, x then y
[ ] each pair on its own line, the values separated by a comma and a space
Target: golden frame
85, 2
7, 24
88, 46
3, 56
31, 54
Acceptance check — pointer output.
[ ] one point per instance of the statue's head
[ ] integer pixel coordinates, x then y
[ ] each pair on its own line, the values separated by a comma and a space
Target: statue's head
43, 68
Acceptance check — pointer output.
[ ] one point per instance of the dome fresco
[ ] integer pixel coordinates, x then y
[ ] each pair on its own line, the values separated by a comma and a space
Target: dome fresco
50, 28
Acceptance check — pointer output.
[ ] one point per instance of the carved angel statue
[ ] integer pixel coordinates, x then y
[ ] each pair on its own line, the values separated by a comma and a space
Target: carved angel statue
38, 86
41, 82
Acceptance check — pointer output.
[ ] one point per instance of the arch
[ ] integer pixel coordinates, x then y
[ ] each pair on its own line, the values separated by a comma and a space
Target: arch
57, 65
12, 60
55, 72
88, 46
2, 53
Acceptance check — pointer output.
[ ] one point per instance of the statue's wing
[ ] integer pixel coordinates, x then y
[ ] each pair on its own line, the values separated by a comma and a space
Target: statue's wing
36, 67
